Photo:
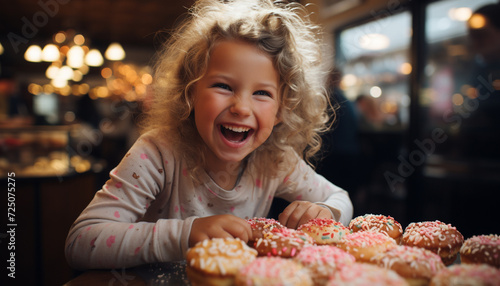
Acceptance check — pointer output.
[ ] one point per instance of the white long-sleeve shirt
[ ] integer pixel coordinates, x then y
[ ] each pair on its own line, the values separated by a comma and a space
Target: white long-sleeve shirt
144, 213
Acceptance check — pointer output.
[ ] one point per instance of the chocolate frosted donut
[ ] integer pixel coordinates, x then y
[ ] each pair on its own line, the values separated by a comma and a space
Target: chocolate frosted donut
381, 223
438, 237
481, 249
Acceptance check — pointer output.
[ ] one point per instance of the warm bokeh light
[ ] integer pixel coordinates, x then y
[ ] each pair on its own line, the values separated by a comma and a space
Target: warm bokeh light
349, 80
50, 53
375, 91
94, 58
106, 72
75, 57
33, 54
405, 68
79, 39
457, 99
115, 52
60, 37
477, 21
146, 79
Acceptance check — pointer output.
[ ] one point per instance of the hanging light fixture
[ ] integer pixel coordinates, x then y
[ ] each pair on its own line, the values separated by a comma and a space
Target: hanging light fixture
115, 52
33, 54
94, 58
50, 53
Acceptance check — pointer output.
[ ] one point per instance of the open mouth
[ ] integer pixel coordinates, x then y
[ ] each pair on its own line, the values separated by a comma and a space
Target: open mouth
235, 134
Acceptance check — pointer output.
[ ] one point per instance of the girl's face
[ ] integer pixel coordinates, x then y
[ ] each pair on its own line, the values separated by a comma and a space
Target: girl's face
236, 102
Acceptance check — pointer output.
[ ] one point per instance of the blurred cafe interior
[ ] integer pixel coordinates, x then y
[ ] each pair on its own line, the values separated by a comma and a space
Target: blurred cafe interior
417, 135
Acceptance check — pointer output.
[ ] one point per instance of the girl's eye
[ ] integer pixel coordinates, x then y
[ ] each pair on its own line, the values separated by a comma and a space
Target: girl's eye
223, 86
262, 92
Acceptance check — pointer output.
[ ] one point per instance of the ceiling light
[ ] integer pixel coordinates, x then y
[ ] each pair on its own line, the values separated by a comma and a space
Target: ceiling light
374, 42
50, 53
33, 54
94, 58
115, 52
461, 14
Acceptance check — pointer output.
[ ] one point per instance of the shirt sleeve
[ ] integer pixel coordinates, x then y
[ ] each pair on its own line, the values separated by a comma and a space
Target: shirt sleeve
303, 183
112, 232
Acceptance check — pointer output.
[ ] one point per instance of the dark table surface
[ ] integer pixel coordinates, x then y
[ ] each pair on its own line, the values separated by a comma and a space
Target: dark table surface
171, 273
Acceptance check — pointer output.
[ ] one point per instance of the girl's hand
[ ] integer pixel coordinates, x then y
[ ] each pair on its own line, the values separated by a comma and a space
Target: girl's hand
219, 226
300, 212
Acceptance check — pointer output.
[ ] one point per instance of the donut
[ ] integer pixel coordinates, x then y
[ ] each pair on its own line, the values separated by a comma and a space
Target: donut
216, 261
260, 225
416, 265
481, 249
438, 237
381, 223
363, 245
284, 242
362, 274
322, 261
324, 231
467, 274
273, 271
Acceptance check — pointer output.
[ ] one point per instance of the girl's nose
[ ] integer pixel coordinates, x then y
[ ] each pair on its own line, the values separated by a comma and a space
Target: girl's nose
241, 105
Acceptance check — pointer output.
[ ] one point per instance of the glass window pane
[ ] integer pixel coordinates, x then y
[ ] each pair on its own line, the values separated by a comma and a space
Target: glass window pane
449, 98
373, 58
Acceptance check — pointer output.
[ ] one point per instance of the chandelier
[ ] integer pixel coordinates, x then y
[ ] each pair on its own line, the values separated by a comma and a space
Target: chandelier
70, 57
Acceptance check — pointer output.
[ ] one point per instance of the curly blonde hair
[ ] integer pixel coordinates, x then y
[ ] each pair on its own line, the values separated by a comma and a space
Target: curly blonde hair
285, 33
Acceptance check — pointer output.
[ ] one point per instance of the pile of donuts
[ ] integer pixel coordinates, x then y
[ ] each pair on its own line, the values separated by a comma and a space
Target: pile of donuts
372, 250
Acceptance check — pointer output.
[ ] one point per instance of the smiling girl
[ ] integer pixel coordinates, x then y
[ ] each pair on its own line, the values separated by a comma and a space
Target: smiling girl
239, 108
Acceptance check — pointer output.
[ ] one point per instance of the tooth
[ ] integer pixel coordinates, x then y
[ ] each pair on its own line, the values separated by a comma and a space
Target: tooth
236, 129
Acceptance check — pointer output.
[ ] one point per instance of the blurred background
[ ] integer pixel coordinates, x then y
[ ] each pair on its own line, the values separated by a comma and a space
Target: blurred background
416, 135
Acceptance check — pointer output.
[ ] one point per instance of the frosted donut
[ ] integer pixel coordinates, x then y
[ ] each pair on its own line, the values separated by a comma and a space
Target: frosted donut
381, 223
481, 249
467, 274
216, 261
284, 242
363, 245
324, 231
416, 265
438, 237
323, 261
272, 271
363, 274
261, 225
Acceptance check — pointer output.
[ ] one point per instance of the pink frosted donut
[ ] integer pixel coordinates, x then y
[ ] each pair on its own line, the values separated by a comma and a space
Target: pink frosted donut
467, 274
323, 261
381, 223
284, 242
363, 245
273, 271
363, 274
324, 231
481, 249
416, 265
441, 238
260, 225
